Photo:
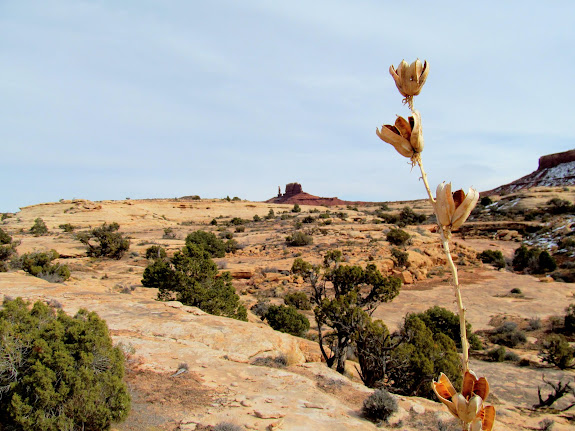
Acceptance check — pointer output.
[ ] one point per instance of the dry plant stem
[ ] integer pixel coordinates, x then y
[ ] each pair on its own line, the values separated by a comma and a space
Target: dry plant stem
445, 244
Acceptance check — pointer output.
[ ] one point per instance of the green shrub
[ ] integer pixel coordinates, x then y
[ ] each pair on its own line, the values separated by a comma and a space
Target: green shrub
4, 237
397, 237
67, 227
308, 219
389, 218
497, 354
257, 218
271, 214
494, 257
214, 222
191, 277
373, 345
39, 228
109, 242
557, 351
58, 372
379, 406
408, 217
420, 358
237, 221
485, 200
508, 335
39, 264
299, 239
240, 229
533, 260
6, 253
286, 319
298, 300
155, 252
442, 321
207, 241
301, 267
400, 257
570, 319
296, 209
169, 233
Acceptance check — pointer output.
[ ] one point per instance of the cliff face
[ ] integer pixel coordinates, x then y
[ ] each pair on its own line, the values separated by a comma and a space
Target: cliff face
555, 170
552, 160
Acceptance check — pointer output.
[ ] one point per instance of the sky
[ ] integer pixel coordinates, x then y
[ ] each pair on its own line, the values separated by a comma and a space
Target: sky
158, 99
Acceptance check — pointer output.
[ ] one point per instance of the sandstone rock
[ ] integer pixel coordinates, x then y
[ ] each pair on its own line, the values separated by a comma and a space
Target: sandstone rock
242, 275
406, 277
268, 414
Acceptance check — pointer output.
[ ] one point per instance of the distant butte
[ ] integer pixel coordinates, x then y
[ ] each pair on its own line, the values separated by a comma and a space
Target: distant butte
294, 194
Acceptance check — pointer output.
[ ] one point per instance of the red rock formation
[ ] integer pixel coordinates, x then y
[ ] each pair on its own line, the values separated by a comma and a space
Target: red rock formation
552, 160
294, 194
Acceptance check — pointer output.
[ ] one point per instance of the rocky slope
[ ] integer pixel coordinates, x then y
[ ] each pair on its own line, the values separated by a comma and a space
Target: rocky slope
189, 369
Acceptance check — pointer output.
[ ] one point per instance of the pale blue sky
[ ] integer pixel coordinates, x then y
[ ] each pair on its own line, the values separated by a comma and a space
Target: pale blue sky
142, 99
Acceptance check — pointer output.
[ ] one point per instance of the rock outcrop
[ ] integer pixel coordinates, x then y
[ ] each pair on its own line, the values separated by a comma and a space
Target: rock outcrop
294, 194
555, 170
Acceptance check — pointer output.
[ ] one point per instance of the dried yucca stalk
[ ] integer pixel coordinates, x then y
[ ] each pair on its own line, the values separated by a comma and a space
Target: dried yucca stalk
451, 210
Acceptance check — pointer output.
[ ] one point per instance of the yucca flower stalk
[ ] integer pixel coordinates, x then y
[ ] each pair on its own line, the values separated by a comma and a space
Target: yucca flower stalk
451, 210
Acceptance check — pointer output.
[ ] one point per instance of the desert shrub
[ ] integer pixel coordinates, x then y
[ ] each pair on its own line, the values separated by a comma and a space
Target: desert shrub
400, 257
299, 239
155, 252
67, 227
296, 209
240, 229
511, 356
388, 218
260, 308
494, 257
372, 348
298, 300
442, 321
228, 426
214, 222
237, 221
325, 215
408, 217
397, 237
533, 260
508, 335
39, 228
58, 372
257, 218
39, 264
557, 351
208, 242
516, 291
6, 253
271, 214
286, 319
534, 324
570, 319
225, 234
379, 406
308, 219
231, 246
169, 233
485, 200
497, 354
300, 267
4, 237
110, 242
420, 358
560, 206
191, 277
